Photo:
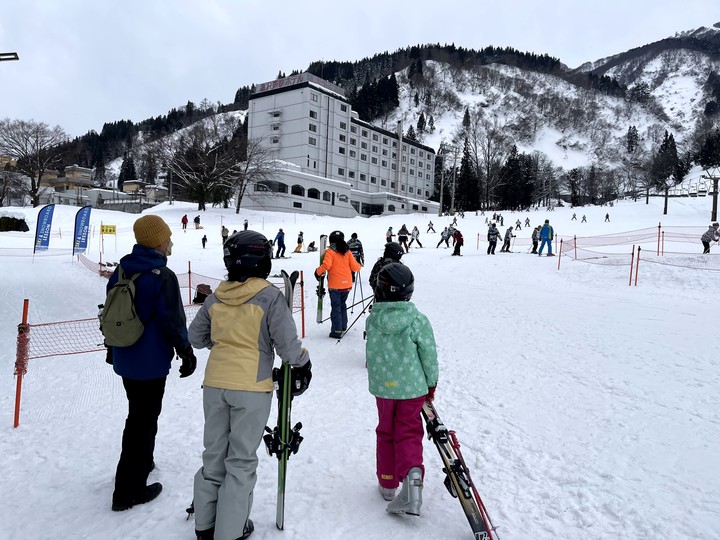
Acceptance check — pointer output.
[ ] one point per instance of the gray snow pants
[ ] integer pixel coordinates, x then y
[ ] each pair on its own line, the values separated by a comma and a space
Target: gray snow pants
234, 424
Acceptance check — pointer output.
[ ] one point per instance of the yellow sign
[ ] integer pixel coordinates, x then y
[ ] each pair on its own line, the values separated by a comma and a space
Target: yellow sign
107, 229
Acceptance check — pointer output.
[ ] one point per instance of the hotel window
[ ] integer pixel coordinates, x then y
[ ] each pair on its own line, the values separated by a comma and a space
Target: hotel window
341, 171
394, 144
392, 185
312, 140
403, 169
363, 178
394, 155
422, 154
342, 138
275, 140
374, 161
353, 141
402, 187
276, 127
313, 114
352, 153
276, 114
343, 125
313, 97
297, 205
384, 152
375, 137
363, 145
393, 166
412, 150
404, 147
373, 180
374, 149
427, 176
410, 190
351, 174
364, 132
412, 162
363, 157
404, 159
313, 127
384, 163
343, 107
383, 182
341, 149
419, 174
412, 172
385, 140
428, 167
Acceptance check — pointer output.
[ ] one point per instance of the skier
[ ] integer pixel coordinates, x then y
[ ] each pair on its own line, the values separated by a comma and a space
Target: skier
393, 253
245, 225
506, 243
238, 386
311, 246
535, 239
454, 221
546, 236
457, 242
204, 240
574, 218
339, 264
402, 374
224, 232
298, 249
584, 219
196, 220
607, 217
430, 227
415, 237
711, 235
356, 248
403, 234
492, 238
518, 225
527, 222
280, 240
389, 235
184, 222
444, 237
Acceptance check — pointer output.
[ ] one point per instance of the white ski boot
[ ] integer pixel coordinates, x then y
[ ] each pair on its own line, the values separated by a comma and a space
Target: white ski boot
409, 500
387, 493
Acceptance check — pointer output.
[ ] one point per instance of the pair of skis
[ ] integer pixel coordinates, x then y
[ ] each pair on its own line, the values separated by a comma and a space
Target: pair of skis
321, 281
282, 440
457, 475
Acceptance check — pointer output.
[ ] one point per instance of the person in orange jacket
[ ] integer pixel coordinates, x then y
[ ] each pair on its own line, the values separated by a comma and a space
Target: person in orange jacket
339, 264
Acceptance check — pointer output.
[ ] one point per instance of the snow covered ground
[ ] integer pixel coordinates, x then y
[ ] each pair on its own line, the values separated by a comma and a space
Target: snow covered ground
587, 409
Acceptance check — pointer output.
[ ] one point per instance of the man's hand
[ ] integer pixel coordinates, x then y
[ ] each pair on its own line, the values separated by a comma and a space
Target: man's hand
189, 362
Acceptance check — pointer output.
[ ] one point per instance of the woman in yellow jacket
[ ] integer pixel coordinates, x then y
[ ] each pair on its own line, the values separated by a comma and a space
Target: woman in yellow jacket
339, 264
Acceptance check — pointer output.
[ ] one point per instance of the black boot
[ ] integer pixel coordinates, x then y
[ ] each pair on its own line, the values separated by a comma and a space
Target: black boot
146, 495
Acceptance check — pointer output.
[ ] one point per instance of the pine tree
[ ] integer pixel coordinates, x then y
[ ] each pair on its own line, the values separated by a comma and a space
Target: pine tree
410, 135
632, 140
421, 124
127, 171
431, 124
466, 119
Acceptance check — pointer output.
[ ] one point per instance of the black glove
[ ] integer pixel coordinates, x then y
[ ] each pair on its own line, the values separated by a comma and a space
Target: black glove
317, 276
189, 362
108, 355
300, 378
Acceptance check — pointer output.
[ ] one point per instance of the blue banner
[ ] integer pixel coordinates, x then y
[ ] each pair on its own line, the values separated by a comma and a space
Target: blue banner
42, 229
82, 226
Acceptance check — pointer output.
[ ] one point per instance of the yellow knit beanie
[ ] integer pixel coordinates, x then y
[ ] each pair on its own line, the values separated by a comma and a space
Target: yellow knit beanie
151, 231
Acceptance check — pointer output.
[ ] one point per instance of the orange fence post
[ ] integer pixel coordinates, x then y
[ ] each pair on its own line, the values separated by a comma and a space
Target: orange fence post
21, 359
302, 302
560, 253
637, 266
632, 261
658, 247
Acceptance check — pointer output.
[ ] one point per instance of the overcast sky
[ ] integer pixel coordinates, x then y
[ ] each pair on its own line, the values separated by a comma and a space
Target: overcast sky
84, 62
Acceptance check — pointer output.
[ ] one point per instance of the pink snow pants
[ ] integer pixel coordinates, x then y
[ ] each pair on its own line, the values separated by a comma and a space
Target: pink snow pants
399, 439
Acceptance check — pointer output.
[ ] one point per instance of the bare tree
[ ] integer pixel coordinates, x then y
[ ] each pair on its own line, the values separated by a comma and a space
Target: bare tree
258, 167
35, 146
12, 186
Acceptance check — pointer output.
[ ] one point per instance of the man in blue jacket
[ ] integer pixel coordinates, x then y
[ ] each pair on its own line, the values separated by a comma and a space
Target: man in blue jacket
546, 236
144, 366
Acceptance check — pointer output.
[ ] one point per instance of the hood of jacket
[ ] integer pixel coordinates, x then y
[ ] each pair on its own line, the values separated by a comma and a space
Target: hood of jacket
235, 293
392, 317
142, 259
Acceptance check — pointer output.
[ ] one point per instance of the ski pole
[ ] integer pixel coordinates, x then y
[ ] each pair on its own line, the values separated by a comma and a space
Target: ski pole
356, 320
361, 290
355, 304
357, 276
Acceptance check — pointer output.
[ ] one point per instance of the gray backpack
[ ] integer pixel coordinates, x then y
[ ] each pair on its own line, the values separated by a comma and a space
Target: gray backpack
119, 321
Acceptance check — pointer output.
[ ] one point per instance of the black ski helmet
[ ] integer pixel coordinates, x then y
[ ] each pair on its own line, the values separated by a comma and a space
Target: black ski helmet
393, 251
248, 254
395, 283
335, 236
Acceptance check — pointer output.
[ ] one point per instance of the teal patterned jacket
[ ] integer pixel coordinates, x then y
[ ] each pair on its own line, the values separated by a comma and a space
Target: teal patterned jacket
400, 351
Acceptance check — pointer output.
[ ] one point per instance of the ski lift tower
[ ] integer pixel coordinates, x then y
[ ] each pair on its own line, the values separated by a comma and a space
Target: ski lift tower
7, 56
713, 174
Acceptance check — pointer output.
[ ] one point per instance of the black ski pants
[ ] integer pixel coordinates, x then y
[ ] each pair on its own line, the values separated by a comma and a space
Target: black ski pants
138, 440
492, 244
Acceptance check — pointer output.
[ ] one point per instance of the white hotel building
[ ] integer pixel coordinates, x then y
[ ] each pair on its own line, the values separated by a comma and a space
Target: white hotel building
333, 163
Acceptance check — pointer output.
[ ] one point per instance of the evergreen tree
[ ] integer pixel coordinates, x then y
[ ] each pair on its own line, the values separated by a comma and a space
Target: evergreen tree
410, 135
666, 169
431, 124
467, 192
632, 140
709, 154
421, 124
466, 119
127, 171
